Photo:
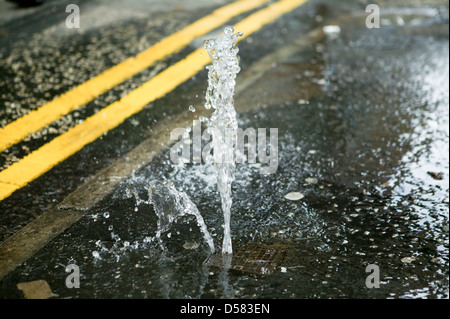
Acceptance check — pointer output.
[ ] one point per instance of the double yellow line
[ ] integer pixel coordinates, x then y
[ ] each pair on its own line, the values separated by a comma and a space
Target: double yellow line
60, 148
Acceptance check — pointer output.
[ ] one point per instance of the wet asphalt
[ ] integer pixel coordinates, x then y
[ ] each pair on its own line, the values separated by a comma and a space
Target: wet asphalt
363, 135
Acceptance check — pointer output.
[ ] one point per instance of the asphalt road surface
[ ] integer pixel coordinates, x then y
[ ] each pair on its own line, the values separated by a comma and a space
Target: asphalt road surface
362, 116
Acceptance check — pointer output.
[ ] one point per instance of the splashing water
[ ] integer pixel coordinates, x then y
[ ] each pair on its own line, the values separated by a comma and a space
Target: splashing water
168, 194
170, 204
223, 124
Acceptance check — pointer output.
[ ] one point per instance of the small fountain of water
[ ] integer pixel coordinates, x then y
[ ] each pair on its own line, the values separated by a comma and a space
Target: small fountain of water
223, 124
167, 201
170, 204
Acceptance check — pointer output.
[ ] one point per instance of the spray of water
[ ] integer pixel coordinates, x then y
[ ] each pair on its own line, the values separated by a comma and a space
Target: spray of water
222, 124
169, 204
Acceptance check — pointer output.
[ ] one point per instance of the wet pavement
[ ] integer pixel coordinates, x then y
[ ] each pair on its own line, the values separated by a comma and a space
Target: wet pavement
363, 126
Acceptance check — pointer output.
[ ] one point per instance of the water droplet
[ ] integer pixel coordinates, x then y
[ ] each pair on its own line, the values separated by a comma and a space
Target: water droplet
331, 29
190, 245
294, 196
311, 180
408, 260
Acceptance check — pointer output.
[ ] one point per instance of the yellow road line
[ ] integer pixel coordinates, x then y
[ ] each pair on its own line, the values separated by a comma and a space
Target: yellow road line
43, 159
16, 131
